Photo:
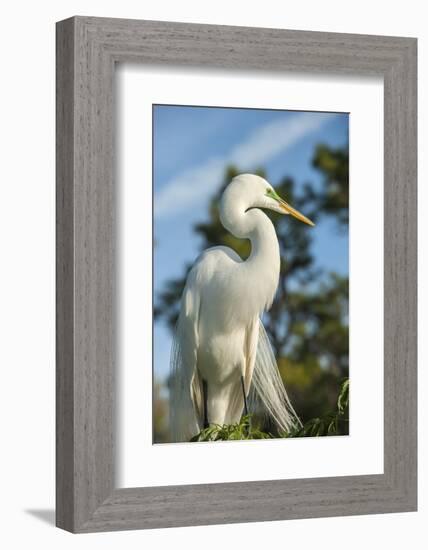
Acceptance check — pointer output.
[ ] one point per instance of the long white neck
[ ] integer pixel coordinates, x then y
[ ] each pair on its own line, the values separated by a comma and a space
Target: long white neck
260, 272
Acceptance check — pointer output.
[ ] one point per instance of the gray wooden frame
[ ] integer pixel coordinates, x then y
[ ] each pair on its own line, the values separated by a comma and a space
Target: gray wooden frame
87, 50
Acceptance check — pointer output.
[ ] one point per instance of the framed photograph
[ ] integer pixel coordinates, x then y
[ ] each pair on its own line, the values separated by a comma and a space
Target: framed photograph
236, 274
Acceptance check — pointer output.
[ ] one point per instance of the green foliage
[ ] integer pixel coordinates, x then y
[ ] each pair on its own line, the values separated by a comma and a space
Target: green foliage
228, 432
308, 322
332, 423
343, 399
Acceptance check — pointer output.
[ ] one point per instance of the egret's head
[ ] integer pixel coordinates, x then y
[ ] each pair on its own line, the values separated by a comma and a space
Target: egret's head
259, 193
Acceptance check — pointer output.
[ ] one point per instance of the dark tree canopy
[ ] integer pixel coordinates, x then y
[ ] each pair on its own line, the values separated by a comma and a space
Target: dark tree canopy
334, 165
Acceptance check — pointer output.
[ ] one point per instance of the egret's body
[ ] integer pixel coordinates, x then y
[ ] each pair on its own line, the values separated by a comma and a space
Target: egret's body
220, 344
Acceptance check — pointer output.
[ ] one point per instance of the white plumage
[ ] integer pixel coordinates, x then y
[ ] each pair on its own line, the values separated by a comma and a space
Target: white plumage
220, 345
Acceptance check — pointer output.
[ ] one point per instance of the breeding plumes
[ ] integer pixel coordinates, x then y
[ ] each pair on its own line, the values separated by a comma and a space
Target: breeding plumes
220, 350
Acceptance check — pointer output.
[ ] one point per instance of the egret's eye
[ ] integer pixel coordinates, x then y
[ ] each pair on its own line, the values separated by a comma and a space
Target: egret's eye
270, 193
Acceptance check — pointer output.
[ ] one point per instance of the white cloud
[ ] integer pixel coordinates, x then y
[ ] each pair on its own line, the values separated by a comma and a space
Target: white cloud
264, 143
186, 189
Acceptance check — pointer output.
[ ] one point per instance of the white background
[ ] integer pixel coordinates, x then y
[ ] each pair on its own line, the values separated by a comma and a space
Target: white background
144, 464
27, 274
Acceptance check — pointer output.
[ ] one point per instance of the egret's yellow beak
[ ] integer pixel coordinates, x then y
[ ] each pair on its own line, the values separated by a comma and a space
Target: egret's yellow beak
290, 210
287, 208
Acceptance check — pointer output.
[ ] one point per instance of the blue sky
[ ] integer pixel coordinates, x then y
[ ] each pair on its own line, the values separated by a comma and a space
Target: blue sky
192, 148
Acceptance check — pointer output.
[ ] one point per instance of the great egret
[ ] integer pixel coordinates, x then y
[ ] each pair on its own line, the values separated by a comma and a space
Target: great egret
220, 347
